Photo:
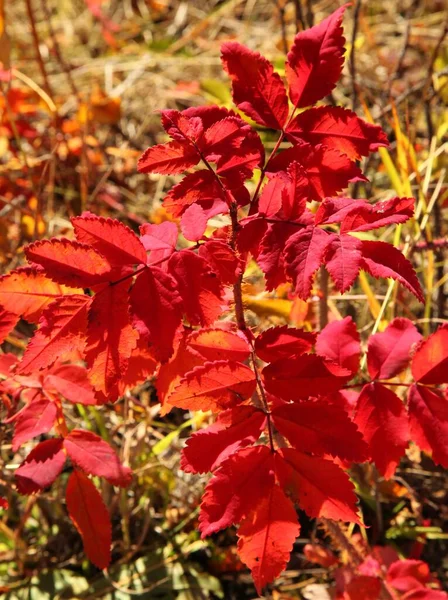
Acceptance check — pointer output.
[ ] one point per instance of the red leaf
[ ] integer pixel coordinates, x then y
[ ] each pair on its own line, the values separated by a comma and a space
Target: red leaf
406, 575
284, 342
27, 293
181, 127
222, 260
428, 422
425, 594
168, 159
343, 260
339, 342
90, 517
257, 90
295, 195
219, 344
315, 60
384, 260
337, 128
366, 217
271, 248
266, 537
430, 361
223, 137
72, 382
198, 286
327, 170
41, 467
363, 587
141, 366
35, 418
159, 239
214, 386
7, 323
69, 262
303, 377
229, 496
270, 201
95, 457
193, 223
381, 418
304, 254
200, 187
62, 330
321, 488
240, 164
111, 337
389, 352
111, 238
156, 302
320, 428
170, 373
334, 210
208, 448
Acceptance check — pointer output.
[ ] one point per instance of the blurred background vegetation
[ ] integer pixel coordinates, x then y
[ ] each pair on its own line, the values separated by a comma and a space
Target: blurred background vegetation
81, 84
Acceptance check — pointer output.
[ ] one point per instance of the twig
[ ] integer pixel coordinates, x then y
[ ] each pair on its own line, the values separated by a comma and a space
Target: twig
39, 59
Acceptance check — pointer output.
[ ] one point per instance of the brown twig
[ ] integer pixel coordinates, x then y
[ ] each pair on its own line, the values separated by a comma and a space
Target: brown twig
39, 58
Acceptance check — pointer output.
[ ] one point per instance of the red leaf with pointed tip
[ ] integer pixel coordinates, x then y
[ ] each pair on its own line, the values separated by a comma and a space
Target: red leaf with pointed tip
208, 448
90, 517
70, 262
198, 287
384, 260
141, 366
304, 254
339, 342
334, 210
95, 457
241, 163
62, 329
223, 137
406, 575
27, 292
170, 373
35, 418
315, 60
343, 259
111, 338
7, 323
271, 249
320, 428
193, 223
156, 302
266, 537
219, 344
222, 260
72, 382
41, 467
295, 195
328, 171
303, 377
284, 342
373, 216
200, 187
381, 418
337, 128
321, 488
111, 238
428, 422
214, 386
426, 594
363, 587
257, 90
168, 159
181, 127
160, 239
389, 352
430, 361
229, 496
270, 201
